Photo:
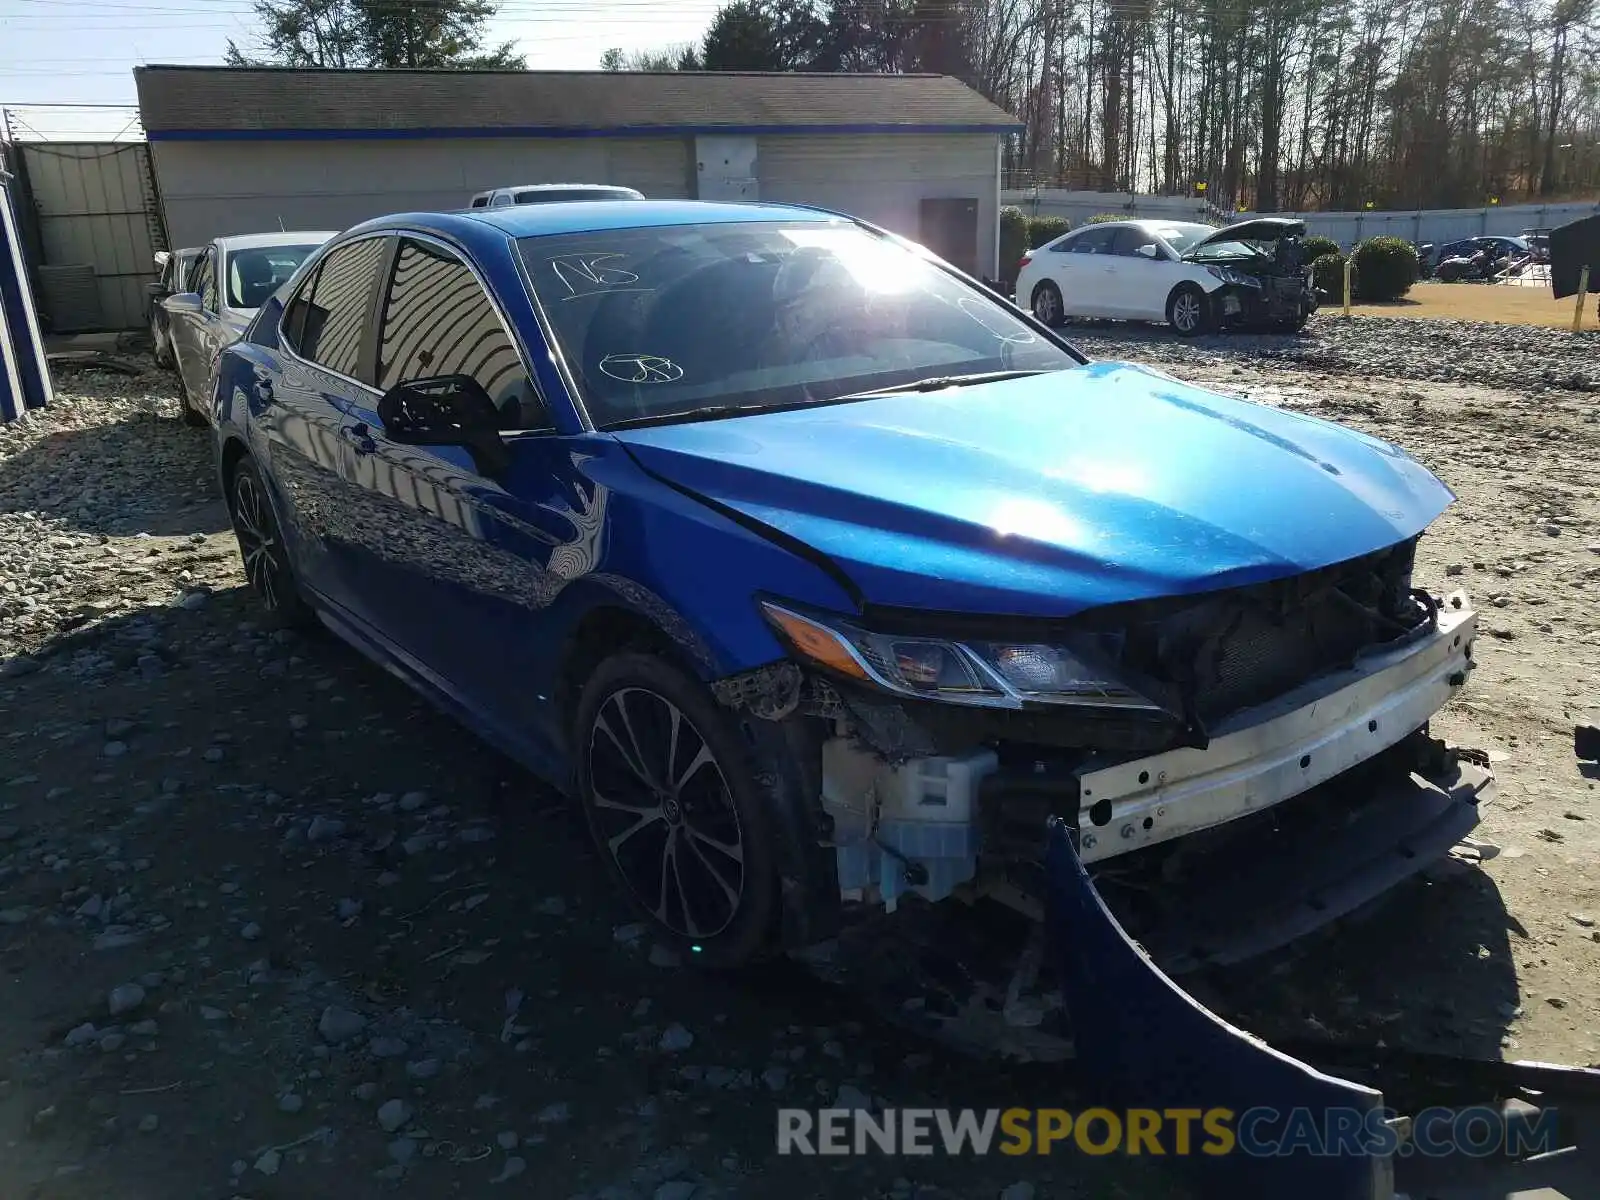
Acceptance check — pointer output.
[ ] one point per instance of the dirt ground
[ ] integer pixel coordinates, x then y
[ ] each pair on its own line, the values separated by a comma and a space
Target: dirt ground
368, 957
1497, 304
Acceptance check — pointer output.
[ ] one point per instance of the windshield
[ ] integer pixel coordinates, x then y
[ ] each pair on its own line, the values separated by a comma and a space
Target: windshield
1242, 248
657, 323
257, 272
1181, 236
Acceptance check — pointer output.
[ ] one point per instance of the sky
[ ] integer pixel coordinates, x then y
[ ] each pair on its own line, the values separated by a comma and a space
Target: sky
82, 52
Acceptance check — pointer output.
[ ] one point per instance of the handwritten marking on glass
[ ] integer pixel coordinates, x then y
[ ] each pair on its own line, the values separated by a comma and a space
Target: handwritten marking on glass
587, 274
981, 312
640, 368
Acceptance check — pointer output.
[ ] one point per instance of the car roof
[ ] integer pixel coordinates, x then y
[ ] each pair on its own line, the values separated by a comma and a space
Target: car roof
586, 216
292, 237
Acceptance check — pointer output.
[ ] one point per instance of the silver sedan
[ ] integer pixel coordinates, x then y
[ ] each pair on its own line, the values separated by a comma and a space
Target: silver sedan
230, 280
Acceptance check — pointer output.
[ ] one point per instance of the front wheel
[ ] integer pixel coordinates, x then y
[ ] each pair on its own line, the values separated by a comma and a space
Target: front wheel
675, 809
192, 416
159, 350
1048, 307
1189, 310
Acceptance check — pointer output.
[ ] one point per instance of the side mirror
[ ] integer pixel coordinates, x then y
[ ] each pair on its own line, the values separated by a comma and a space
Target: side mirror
182, 302
162, 257
447, 410
1148, 250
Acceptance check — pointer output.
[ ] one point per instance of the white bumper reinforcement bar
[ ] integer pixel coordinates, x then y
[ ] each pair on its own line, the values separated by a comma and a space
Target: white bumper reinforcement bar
1262, 756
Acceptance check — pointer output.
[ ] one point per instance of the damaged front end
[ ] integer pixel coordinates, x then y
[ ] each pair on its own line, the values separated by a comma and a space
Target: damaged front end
1265, 279
1231, 771
1242, 766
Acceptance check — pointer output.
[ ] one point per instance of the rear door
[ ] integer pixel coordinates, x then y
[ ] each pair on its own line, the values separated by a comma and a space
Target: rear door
1081, 266
310, 413
461, 578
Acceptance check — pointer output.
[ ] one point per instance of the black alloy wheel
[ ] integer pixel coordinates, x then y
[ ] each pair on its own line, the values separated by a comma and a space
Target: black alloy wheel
673, 806
262, 549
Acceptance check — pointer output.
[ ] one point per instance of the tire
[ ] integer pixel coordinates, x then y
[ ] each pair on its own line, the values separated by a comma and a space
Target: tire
1047, 305
159, 348
262, 548
1189, 311
192, 416
694, 854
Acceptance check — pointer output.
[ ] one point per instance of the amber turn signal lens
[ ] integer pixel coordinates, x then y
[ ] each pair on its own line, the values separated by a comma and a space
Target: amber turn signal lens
816, 642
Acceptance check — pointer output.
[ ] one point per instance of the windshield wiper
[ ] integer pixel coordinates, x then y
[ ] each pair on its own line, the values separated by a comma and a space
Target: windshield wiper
709, 413
939, 383
936, 383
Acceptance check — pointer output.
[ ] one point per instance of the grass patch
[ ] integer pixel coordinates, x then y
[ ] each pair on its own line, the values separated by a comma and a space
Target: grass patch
1497, 304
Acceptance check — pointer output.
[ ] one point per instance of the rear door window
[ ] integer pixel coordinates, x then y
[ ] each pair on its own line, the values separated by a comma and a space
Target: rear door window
333, 327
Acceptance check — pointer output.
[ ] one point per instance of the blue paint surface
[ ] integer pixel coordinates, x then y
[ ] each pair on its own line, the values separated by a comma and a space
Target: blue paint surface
1047, 495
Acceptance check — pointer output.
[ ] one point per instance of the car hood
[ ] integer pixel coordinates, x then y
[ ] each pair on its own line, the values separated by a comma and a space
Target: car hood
1049, 494
1262, 229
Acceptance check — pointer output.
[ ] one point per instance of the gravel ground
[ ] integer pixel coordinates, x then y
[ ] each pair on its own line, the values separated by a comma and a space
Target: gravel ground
1515, 357
270, 927
261, 934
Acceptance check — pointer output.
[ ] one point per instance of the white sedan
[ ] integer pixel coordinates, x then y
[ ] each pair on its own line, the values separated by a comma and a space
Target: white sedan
1192, 276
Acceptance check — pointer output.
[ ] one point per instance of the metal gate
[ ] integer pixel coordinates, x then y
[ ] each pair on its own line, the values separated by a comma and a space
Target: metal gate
96, 223
24, 376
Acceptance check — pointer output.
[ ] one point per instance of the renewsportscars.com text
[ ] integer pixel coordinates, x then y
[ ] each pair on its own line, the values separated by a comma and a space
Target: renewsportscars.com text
1258, 1132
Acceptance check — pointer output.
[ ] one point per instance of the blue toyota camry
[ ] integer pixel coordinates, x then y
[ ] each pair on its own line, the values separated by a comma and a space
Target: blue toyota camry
819, 575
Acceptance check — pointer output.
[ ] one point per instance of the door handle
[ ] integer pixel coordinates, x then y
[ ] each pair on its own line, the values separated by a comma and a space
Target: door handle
359, 437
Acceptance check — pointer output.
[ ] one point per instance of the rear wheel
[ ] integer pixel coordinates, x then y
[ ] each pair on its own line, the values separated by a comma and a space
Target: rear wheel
675, 809
262, 548
1047, 305
1189, 310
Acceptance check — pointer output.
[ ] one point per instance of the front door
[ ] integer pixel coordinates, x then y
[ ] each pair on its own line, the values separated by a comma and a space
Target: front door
467, 564
1139, 276
193, 333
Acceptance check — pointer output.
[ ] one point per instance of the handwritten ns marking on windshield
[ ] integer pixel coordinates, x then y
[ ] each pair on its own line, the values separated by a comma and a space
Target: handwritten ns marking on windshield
640, 368
593, 274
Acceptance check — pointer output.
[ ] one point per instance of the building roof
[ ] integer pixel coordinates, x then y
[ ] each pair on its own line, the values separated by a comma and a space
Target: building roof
280, 103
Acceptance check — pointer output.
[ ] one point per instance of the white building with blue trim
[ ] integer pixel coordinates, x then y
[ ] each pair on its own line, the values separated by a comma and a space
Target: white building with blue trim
240, 150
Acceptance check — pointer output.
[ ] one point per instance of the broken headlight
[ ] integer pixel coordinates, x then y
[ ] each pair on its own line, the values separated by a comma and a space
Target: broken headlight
990, 674
1229, 275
